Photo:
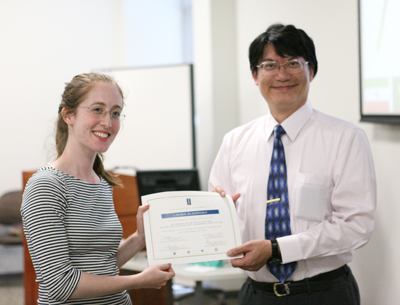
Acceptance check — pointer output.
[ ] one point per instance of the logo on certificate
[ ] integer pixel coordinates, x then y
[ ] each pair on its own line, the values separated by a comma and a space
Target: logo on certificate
188, 201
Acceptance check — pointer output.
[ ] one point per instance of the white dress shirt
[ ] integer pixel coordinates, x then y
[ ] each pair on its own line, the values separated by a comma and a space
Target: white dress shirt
331, 183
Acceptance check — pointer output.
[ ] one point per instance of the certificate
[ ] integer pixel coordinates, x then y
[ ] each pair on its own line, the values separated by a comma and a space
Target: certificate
188, 227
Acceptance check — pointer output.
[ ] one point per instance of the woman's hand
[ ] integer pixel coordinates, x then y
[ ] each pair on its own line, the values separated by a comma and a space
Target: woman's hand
93, 285
139, 220
135, 242
155, 276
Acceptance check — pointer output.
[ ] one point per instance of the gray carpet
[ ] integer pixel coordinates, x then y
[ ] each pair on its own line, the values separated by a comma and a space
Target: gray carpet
11, 289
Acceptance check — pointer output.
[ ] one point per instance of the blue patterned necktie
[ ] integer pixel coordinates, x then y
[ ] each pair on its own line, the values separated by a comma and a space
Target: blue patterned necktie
277, 222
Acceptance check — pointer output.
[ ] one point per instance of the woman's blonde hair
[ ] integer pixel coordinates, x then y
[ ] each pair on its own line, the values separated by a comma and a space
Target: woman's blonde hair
74, 93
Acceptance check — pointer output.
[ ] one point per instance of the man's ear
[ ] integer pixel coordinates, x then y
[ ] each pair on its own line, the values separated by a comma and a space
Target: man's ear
311, 75
255, 77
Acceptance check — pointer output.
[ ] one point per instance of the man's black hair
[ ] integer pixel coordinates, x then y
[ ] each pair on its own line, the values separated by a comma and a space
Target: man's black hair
288, 41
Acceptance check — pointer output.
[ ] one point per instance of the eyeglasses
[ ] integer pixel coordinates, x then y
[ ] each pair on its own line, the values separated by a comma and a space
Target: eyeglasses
100, 112
271, 67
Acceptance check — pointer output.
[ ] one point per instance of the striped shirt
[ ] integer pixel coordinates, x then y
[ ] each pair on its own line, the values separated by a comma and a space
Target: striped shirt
71, 227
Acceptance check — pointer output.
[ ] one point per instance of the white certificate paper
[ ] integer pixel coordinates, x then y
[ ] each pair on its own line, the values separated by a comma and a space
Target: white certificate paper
189, 227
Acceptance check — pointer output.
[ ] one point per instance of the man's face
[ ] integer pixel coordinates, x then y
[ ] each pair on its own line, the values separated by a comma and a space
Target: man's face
284, 92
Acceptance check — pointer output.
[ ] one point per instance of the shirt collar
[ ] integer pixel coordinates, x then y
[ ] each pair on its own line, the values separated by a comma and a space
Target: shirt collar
292, 124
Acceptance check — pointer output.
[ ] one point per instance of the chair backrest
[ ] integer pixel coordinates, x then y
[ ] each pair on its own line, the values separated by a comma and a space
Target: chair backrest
10, 205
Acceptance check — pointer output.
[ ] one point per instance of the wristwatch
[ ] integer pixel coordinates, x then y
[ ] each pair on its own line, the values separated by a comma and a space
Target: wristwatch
276, 258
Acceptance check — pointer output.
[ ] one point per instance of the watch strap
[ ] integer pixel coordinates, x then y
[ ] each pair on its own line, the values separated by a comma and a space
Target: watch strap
276, 257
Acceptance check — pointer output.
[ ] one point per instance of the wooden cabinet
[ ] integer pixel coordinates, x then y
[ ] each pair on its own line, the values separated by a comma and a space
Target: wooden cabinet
126, 202
30, 285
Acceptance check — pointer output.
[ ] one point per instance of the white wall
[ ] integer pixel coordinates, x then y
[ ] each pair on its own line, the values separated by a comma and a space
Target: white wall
335, 90
43, 45
215, 76
153, 32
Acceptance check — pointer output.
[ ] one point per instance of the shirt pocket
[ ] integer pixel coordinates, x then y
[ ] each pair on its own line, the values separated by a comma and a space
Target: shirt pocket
311, 196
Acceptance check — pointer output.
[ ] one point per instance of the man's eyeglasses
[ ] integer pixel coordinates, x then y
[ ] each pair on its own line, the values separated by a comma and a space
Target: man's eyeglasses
100, 112
271, 67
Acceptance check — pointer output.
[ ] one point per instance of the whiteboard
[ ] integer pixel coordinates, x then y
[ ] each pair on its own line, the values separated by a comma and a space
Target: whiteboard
158, 130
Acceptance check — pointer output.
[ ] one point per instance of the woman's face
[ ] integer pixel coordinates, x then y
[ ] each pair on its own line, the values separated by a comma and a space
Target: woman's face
95, 124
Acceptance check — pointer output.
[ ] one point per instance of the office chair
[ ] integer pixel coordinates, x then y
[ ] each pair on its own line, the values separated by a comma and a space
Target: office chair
10, 216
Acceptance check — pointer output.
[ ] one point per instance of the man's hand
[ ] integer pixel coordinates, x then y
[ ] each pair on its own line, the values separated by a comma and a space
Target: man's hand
256, 252
221, 191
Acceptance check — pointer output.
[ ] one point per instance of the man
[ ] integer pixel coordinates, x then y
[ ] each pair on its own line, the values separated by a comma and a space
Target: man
303, 182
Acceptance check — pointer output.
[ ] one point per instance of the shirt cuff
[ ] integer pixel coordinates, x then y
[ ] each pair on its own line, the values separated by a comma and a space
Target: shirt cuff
290, 248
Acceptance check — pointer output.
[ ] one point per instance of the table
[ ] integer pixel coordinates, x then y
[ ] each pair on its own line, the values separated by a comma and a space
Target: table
195, 273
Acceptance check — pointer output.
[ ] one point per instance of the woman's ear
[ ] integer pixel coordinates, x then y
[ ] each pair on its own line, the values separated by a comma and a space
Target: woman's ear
67, 116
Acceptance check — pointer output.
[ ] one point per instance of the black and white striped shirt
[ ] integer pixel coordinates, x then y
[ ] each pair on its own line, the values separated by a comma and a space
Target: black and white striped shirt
70, 226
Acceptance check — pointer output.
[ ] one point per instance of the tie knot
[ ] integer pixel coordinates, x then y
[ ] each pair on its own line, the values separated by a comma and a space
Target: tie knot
279, 131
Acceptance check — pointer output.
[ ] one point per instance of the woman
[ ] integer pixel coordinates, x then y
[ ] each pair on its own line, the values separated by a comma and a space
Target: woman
72, 231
